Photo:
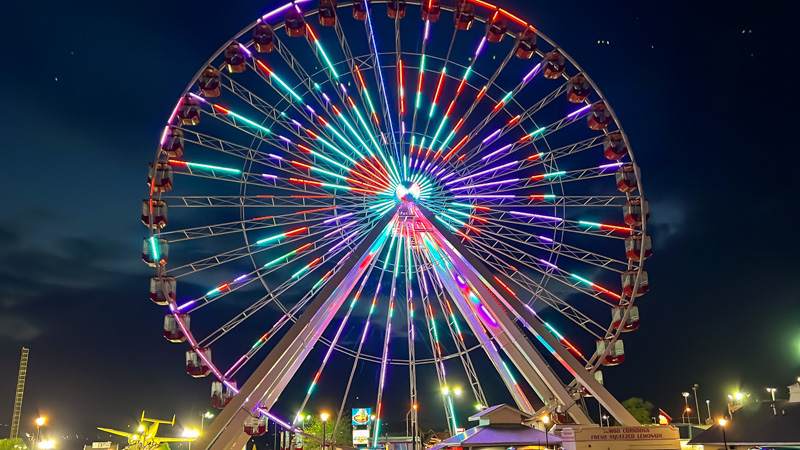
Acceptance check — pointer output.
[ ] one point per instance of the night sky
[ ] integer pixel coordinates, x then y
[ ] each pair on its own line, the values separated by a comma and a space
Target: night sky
709, 109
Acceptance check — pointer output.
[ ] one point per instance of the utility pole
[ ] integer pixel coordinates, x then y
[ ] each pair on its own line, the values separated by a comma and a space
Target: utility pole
697, 404
23, 370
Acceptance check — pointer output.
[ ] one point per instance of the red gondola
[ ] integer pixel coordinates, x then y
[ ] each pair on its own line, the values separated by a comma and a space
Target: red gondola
464, 16
631, 323
196, 365
189, 111
397, 9
235, 58
295, 24
162, 290
626, 179
614, 146
431, 9
599, 116
255, 426
496, 28
155, 210
578, 89
526, 46
629, 279
159, 177
554, 64
616, 354
263, 38
172, 330
209, 82
633, 247
360, 9
222, 393
327, 13
635, 211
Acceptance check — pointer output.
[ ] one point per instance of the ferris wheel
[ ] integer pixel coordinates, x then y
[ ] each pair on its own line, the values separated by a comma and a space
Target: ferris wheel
382, 197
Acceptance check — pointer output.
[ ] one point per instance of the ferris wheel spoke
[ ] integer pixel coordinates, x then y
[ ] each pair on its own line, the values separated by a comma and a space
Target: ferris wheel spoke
322, 214
454, 329
274, 294
515, 122
227, 288
535, 158
235, 254
498, 220
501, 260
511, 184
263, 201
552, 271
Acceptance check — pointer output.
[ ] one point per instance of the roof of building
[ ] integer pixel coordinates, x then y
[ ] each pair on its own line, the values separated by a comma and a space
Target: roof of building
497, 435
761, 423
494, 410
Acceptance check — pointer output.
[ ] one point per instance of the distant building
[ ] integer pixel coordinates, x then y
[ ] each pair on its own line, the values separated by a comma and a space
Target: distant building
759, 424
500, 426
101, 446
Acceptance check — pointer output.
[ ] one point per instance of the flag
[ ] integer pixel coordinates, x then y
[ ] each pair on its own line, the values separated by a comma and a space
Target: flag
663, 418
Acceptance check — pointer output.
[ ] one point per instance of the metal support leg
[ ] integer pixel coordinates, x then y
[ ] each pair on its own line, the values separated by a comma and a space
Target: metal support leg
478, 275
272, 375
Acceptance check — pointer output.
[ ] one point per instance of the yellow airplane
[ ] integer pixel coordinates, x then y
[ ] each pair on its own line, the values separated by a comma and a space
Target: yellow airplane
145, 438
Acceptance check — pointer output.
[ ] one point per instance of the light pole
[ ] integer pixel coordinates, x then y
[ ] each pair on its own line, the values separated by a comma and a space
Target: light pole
722, 423
772, 392
39, 424
696, 404
685, 400
324, 417
203, 417
708, 405
545, 421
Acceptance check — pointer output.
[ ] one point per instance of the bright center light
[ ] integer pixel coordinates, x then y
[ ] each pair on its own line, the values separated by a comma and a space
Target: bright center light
407, 191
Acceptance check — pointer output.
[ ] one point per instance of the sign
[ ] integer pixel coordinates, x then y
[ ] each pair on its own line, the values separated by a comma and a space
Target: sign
361, 416
656, 437
360, 437
101, 444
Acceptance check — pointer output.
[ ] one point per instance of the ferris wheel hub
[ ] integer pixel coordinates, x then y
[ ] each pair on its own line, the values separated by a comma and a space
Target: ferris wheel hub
408, 191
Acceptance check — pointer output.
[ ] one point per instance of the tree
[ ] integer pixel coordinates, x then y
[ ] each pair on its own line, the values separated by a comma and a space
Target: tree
342, 435
641, 410
12, 444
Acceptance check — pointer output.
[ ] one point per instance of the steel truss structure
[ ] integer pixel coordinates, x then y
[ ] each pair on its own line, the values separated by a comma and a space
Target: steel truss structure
396, 216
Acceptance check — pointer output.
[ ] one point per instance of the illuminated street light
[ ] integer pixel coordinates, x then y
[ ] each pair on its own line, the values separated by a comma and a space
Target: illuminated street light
39, 423
696, 403
722, 423
545, 420
686, 400
445, 391
47, 444
203, 417
738, 396
324, 416
190, 433
141, 428
457, 391
708, 405
772, 391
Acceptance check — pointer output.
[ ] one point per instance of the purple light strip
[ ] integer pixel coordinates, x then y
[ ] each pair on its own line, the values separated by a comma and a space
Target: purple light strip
574, 113
186, 305
334, 219
481, 173
486, 196
197, 97
339, 229
266, 175
480, 47
609, 166
344, 241
549, 264
276, 11
537, 216
491, 136
241, 46
496, 152
533, 72
492, 183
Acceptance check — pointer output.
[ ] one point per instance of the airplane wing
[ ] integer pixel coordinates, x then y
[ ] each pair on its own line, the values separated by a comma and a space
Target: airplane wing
118, 433
168, 439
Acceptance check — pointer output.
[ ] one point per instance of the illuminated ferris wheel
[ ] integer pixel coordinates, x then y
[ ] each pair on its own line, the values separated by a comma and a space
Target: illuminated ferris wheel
376, 198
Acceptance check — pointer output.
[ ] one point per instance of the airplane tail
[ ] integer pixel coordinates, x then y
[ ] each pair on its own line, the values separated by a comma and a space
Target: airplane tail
170, 422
